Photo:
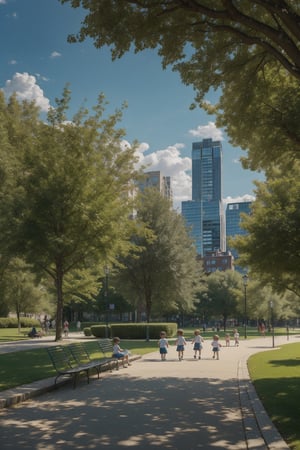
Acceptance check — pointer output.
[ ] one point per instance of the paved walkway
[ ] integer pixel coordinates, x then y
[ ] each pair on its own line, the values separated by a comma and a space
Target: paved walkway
193, 404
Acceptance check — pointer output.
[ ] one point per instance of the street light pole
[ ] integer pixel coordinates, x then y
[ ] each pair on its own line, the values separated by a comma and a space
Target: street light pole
106, 269
272, 323
245, 281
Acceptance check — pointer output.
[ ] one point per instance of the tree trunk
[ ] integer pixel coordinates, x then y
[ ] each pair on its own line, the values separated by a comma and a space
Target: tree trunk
60, 302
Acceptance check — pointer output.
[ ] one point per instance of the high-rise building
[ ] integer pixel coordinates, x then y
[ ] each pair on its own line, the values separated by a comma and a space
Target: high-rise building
158, 181
233, 223
204, 214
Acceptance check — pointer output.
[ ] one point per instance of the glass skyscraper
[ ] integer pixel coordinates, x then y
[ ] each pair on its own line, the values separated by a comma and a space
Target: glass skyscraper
233, 221
204, 213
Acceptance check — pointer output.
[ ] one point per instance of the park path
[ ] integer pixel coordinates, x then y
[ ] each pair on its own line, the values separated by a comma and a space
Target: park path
193, 404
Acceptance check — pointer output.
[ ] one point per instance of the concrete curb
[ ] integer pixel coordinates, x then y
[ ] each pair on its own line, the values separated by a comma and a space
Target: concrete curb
22, 393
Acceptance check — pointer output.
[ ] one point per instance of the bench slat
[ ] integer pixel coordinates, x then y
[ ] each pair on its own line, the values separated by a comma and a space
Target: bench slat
65, 364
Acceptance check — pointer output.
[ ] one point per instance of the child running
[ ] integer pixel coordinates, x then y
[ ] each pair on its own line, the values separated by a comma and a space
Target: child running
197, 341
180, 342
216, 346
163, 345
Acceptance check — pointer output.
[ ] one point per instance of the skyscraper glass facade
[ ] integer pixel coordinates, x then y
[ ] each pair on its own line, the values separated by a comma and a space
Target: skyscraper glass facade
192, 212
233, 222
204, 214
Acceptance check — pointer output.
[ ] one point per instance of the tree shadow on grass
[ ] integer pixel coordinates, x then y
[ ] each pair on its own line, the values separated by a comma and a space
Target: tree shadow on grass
280, 398
292, 362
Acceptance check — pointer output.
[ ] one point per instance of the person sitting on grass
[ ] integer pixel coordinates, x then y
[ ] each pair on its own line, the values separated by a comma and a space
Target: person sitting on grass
120, 353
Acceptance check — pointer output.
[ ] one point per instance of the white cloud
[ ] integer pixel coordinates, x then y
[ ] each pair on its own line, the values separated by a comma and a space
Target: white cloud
170, 163
55, 54
41, 77
207, 131
2, 2
26, 88
12, 62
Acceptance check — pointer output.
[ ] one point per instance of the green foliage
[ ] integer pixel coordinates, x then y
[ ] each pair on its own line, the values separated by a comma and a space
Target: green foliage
20, 289
219, 295
65, 190
135, 330
216, 33
87, 331
100, 331
12, 322
271, 247
162, 261
260, 110
248, 50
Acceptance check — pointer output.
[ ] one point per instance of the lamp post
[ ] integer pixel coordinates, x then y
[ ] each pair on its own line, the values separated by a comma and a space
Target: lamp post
245, 281
106, 270
272, 323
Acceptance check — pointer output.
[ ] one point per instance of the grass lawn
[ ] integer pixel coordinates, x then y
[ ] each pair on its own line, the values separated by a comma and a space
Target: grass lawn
276, 377
26, 366
11, 334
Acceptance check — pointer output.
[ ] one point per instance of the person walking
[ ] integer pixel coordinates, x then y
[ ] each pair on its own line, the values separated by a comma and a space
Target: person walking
180, 344
163, 345
227, 340
198, 344
66, 328
236, 338
216, 346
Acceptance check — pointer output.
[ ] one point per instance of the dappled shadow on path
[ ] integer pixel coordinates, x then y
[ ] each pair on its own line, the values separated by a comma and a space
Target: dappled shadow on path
122, 411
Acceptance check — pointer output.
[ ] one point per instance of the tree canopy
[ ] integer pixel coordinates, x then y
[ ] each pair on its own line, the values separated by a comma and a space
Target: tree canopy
65, 190
161, 273
271, 249
219, 296
219, 32
249, 50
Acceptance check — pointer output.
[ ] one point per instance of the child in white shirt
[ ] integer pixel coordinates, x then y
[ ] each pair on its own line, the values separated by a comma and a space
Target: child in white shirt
197, 341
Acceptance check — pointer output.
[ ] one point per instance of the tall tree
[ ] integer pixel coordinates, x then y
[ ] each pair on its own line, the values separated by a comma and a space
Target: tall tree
73, 203
248, 49
161, 273
272, 246
22, 292
221, 295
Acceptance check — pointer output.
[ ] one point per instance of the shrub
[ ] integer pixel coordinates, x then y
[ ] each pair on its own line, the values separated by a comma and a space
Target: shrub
87, 331
142, 330
12, 322
100, 331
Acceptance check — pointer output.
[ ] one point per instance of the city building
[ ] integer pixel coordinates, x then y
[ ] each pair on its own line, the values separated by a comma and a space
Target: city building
218, 261
233, 225
204, 214
157, 180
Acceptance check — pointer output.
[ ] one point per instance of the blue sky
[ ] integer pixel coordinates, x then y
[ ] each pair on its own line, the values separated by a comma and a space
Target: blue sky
36, 61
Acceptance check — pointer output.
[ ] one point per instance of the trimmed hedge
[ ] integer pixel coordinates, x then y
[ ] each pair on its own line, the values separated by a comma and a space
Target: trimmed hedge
87, 331
100, 331
12, 322
135, 330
